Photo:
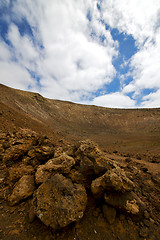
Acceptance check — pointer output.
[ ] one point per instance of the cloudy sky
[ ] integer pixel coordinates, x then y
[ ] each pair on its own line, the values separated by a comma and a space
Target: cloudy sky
101, 52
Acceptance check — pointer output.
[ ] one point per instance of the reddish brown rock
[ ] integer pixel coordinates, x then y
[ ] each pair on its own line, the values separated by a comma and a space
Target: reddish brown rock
23, 189
93, 160
61, 164
17, 172
126, 202
114, 179
59, 202
15, 153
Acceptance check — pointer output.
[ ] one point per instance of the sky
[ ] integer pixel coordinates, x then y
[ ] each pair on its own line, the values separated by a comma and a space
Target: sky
96, 52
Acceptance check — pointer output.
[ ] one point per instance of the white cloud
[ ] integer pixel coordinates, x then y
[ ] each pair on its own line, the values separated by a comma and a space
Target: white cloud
152, 100
145, 66
22, 48
14, 75
71, 60
114, 100
4, 3
4, 52
138, 18
141, 20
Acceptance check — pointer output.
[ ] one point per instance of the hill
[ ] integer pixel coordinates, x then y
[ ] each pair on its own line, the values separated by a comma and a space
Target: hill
125, 130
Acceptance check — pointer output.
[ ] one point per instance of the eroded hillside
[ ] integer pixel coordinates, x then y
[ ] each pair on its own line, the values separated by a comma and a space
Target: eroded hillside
116, 129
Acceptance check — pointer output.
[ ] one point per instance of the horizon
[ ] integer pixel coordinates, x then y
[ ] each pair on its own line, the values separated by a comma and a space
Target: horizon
94, 52
84, 104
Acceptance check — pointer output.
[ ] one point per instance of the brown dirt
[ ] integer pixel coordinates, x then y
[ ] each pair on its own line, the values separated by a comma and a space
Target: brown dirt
130, 137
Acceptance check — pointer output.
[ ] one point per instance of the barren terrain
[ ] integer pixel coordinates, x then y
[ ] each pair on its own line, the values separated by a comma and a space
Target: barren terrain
35, 130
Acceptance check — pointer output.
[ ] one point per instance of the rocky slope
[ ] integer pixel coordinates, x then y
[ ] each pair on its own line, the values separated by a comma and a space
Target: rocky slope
57, 191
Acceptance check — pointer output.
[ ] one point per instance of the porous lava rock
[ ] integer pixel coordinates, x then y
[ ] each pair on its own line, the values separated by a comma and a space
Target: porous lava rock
23, 189
127, 202
92, 160
16, 172
59, 202
61, 164
114, 179
14, 153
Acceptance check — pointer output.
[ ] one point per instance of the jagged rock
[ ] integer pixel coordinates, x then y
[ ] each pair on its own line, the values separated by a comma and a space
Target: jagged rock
127, 202
14, 153
41, 153
78, 177
58, 151
92, 159
61, 164
59, 202
42, 174
17, 172
114, 179
109, 213
23, 189
89, 149
87, 166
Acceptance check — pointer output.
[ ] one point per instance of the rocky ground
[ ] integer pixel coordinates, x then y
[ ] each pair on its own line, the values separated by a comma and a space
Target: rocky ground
51, 189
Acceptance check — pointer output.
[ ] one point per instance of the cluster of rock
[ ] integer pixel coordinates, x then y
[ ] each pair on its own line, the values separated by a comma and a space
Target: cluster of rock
59, 180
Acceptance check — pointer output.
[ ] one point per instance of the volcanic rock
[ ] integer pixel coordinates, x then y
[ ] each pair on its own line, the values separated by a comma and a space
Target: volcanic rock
15, 173
14, 153
92, 159
61, 164
59, 202
23, 189
41, 153
127, 202
114, 179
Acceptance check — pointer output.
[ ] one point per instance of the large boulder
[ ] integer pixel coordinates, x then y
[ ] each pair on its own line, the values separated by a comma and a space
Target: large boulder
23, 189
127, 202
61, 164
59, 202
113, 180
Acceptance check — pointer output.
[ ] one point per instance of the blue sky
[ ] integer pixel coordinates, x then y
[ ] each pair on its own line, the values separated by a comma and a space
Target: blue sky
101, 52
